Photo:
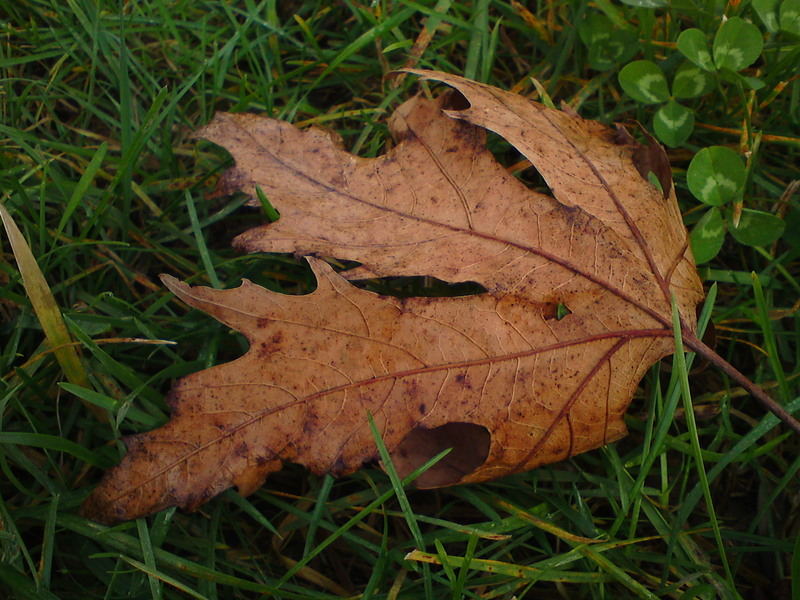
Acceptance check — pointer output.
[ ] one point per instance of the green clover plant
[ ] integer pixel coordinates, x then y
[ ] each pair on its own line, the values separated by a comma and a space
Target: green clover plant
737, 44
645, 82
717, 176
720, 59
608, 44
779, 16
710, 69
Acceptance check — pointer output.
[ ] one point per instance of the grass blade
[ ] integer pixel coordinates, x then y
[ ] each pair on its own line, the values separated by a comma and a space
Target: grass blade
45, 306
682, 373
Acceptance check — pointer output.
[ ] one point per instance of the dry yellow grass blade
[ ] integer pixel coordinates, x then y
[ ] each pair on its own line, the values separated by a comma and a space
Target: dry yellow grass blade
46, 308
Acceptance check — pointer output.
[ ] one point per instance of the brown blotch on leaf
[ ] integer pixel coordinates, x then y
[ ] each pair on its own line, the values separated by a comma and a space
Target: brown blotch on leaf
231, 181
470, 447
454, 100
648, 158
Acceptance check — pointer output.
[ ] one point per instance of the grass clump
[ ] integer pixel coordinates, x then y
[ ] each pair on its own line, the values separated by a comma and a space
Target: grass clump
100, 173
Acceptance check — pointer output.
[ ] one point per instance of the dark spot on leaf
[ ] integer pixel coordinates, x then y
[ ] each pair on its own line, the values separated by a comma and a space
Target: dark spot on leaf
412, 389
339, 467
653, 159
649, 157
549, 311
231, 182
455, 100
470, 448
310, 425
573, 215
621, 136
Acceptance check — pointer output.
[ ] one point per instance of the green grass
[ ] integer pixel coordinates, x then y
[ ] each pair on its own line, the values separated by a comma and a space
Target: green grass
99, 170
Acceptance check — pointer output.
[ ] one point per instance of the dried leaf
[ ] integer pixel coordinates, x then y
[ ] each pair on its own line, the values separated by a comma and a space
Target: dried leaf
499, 376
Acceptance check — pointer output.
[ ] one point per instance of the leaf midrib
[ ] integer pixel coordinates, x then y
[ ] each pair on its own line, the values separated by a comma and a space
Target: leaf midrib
603, 284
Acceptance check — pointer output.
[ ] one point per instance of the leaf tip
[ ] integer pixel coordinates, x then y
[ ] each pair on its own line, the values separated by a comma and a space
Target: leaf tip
173, 284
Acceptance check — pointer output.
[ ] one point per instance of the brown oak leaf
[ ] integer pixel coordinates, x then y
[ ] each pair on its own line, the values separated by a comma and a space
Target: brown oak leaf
500, 377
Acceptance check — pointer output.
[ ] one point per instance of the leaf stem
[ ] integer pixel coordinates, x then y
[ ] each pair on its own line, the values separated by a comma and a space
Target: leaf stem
755, 390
